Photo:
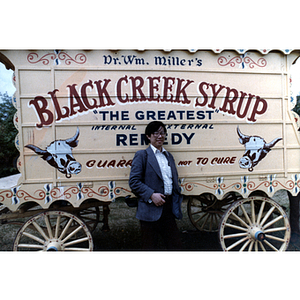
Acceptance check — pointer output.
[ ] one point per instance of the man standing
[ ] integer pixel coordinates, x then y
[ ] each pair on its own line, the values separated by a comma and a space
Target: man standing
154, 179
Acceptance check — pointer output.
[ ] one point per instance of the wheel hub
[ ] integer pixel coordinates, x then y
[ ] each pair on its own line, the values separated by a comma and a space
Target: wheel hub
53, 245
257, 234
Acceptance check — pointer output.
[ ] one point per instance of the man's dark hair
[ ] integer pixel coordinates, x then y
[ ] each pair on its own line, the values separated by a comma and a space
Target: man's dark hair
153, 127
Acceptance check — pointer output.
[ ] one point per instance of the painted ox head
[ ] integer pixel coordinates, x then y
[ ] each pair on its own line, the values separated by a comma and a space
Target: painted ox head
59, 155
256, 149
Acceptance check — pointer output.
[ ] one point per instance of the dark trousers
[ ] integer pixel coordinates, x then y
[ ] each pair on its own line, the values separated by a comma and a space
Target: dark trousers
166, 227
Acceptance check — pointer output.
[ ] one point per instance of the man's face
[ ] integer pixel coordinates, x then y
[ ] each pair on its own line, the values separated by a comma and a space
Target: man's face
157, 138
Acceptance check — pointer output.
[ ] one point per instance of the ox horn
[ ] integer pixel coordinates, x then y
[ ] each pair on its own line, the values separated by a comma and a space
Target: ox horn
243, 138
272, 144
73, 139
37, 150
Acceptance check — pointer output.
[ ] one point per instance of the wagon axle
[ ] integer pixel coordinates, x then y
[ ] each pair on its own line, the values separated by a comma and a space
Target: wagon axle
54, 246
257, 234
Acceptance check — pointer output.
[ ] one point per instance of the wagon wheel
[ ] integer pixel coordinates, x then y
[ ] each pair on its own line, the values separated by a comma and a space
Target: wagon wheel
255, 224
54, 231
205, 211
90, 216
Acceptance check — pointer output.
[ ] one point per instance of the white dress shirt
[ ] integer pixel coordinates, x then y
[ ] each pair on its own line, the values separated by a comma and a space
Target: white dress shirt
165, 169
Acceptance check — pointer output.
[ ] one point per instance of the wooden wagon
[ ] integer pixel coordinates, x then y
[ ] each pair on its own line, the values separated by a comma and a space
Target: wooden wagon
81, 117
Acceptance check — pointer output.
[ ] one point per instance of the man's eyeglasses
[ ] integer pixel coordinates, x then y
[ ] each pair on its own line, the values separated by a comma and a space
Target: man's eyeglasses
158, 133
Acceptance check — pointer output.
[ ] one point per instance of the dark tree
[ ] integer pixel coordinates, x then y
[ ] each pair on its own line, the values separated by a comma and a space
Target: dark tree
297, 106
8, 132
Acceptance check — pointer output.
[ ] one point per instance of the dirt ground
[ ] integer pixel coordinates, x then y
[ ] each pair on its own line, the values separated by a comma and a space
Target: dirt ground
124, 233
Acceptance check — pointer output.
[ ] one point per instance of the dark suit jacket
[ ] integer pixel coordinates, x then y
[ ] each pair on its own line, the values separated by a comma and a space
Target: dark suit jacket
146, 179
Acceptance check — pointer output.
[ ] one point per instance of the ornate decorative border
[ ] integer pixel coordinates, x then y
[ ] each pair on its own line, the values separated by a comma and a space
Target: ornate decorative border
57, 57
245, 186
241, 61
50, 193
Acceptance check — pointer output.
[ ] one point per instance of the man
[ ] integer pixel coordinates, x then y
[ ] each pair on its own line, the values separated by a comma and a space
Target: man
154, 179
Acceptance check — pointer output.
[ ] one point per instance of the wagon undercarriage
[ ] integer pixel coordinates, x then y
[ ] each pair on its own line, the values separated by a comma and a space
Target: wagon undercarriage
255, 223
60, 228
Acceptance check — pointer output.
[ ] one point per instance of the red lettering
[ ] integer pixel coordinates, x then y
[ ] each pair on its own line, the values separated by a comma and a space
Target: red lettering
84, 96
119, 92
168, 87
153, 87
256, 110
181, 90
73, 104
205, 97
59, 114
121, 163
99, 165
102, 92
45, 115
223, 160
90, 163
215, 94
239, 108
229, 101
137, 88
112, 164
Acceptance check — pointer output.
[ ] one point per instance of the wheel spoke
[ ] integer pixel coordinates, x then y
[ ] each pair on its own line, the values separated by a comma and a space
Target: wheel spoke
66, 228
261, 211
33, 237
270, 245
40, 230
262, 246
275, 238
245, 245
72, 233
77, 241
196, 212
236, 227
205, 221
237, 243
196, 221
275, 229
273, 221
57, 226
252, 212
77, 249
48, 226
267, 215
251, 246
245, 214
234, 235
31, 246
239, 219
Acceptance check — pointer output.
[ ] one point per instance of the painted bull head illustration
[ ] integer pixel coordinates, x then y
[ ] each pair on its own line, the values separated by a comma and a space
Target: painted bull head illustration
256, 149
59, 155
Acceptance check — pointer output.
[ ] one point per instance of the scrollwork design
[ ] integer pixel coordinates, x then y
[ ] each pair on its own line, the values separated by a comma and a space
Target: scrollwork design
103, 191
5, 194
119, 190
80, 58
33, 58
275, 183
21, 194
260, 63
223, 61
72, 190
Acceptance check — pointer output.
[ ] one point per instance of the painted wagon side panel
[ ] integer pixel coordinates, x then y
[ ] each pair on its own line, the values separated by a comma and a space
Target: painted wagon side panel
214, 105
